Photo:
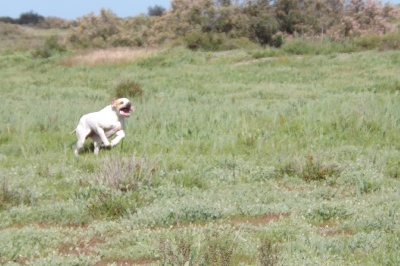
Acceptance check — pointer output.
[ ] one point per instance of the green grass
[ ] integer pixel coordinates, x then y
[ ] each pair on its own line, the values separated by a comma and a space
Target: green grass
237, 157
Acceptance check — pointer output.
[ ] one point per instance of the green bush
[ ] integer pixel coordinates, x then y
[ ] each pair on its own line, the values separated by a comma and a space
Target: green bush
198, 40
128, 89
50, 47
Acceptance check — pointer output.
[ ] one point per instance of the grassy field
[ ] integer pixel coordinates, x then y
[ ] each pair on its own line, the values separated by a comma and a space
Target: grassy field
232, 158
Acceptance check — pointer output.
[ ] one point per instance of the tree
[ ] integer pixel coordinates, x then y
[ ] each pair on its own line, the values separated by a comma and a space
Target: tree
289, 14
155, 11
30, 18
96, 31
263, 27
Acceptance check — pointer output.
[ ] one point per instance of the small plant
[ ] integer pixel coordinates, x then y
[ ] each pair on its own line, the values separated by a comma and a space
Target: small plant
219, 247
267, 253
103, 202
216, 248
326, 212
179, 251
15, 196
5, 190
392, 168
314, 170
129, 89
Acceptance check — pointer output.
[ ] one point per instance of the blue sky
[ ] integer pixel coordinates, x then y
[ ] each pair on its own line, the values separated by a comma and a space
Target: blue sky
71, 9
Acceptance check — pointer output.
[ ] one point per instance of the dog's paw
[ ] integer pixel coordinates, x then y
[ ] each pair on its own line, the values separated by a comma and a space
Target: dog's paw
108, 145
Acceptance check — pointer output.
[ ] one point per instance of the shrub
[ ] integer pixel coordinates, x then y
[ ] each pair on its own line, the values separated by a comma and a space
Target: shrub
128, 89
50, 47
96, 31
206, 41
390, 41
368, 42
8, 30
30, 18
155, 11
7, 20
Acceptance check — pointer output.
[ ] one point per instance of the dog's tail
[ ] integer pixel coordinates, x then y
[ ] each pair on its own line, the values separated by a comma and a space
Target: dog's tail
72, 131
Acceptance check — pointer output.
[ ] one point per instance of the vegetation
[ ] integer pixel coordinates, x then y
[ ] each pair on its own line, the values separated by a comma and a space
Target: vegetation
243, 155
264, 22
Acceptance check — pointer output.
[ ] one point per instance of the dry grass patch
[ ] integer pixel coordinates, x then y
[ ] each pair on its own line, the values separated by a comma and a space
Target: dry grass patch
114, 56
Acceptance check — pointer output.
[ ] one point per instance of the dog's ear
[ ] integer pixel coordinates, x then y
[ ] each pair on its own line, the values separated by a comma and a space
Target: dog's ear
114, 102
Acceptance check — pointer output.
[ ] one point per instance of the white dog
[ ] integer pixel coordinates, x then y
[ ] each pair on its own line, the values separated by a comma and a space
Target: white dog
103, 124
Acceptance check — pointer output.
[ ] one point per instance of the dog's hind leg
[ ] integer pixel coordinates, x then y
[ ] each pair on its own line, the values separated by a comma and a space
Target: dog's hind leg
79, 145
96, 143
81, 134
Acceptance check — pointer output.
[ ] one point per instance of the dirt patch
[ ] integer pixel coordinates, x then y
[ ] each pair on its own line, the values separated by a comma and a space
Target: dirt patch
122, 262
330, 229
260, 220
81, 247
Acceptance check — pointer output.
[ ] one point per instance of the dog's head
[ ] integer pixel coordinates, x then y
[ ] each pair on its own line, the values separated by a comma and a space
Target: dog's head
123, 106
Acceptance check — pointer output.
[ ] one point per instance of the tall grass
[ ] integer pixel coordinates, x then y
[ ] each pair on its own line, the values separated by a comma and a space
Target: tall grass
219, 143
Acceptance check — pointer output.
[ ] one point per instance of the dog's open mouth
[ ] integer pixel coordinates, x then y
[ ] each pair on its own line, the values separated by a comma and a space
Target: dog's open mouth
126, 111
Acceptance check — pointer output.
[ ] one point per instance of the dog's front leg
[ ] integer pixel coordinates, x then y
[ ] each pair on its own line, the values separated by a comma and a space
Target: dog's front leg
102, 135
119, 136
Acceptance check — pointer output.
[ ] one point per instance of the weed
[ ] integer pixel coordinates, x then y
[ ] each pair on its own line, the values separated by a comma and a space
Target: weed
180, 250
5, 189
267, 253
326, 212
125, 174
216, 248
314, 170
392, 168
309, 170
